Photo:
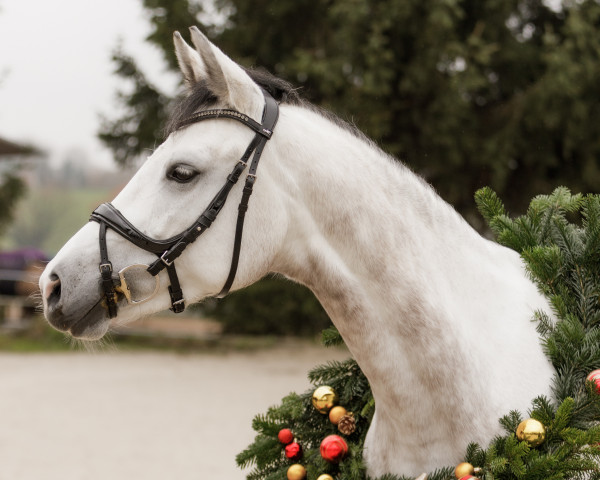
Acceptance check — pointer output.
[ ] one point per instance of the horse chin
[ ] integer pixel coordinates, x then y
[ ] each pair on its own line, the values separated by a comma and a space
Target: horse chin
92, 326
90, 331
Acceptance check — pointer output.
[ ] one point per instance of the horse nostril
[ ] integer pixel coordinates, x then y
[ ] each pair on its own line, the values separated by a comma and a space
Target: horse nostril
52, 291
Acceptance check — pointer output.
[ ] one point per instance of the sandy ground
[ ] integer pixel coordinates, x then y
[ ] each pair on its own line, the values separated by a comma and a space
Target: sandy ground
78, 416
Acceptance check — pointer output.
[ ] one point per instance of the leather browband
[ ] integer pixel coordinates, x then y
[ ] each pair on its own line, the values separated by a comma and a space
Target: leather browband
224, 113
169, 249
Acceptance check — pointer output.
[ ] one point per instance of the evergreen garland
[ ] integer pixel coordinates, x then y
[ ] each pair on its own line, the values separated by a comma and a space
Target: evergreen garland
559, 239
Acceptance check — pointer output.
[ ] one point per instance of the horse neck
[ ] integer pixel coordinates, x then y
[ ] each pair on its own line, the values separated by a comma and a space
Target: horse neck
376, 245
358, 218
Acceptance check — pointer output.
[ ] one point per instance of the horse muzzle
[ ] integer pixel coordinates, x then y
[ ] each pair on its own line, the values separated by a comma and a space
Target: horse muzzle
87, 321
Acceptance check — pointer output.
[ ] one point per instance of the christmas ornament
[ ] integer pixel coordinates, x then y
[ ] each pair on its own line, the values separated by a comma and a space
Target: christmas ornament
323, 398
285, 436
336, 413
464, 469
532, 432
333, 448
325, 477
347, 424
594, 377
293, 451
468, 477
296, 472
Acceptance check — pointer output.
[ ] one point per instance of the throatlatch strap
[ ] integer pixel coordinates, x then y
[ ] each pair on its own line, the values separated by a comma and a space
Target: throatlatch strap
237, 242
271, 114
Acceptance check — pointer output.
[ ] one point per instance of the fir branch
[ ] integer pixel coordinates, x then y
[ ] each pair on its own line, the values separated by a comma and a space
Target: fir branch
330, 337
490, 206
543, 410
545, 324
511, 421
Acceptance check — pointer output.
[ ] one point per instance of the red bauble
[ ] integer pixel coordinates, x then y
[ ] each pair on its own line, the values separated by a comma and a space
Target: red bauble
468, 477
293, 451
334, 448
285, 436
594, 377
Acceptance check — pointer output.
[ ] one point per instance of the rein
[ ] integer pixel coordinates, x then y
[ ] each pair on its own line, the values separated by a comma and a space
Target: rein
168, 250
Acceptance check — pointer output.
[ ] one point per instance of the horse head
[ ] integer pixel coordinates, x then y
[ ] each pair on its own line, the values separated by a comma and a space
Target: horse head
176, 184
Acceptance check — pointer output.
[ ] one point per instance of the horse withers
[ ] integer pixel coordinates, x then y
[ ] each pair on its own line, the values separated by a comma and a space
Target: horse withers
438, 318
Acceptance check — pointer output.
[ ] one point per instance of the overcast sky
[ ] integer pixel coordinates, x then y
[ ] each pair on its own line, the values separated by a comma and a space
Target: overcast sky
56, 74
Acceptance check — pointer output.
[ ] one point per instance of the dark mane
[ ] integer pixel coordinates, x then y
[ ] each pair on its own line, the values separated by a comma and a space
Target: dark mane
201, 98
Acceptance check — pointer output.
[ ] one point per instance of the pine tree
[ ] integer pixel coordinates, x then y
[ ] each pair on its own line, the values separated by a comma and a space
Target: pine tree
559, 239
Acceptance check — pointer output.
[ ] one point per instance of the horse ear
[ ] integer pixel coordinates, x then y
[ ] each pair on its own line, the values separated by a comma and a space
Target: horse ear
189, 61
226, 79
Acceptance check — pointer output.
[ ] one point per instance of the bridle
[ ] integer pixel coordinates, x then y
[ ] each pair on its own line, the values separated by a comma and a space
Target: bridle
168, 250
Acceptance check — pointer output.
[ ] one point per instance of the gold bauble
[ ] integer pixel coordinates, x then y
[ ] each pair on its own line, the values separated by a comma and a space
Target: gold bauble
325, 477
532, 432
336, 413
323, 398
464, 469
296, 472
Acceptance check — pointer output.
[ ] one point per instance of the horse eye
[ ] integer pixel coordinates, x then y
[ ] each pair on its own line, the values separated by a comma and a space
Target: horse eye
182, 173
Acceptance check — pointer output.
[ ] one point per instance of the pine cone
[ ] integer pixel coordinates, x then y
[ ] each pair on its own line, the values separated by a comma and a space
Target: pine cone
347, 424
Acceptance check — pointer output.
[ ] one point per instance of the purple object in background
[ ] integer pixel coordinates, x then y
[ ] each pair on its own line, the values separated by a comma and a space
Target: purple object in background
19, 270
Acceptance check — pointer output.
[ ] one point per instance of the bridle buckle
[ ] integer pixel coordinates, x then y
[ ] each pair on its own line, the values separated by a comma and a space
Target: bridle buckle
164, 260
106, 267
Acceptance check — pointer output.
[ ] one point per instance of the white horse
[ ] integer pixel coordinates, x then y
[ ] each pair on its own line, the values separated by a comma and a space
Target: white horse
438, 318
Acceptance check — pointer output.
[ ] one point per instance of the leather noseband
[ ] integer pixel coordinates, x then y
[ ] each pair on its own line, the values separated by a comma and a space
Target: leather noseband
168, 250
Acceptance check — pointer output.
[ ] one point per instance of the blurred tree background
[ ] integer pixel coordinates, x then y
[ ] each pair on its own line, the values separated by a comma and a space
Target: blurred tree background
12, 188
468, 93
